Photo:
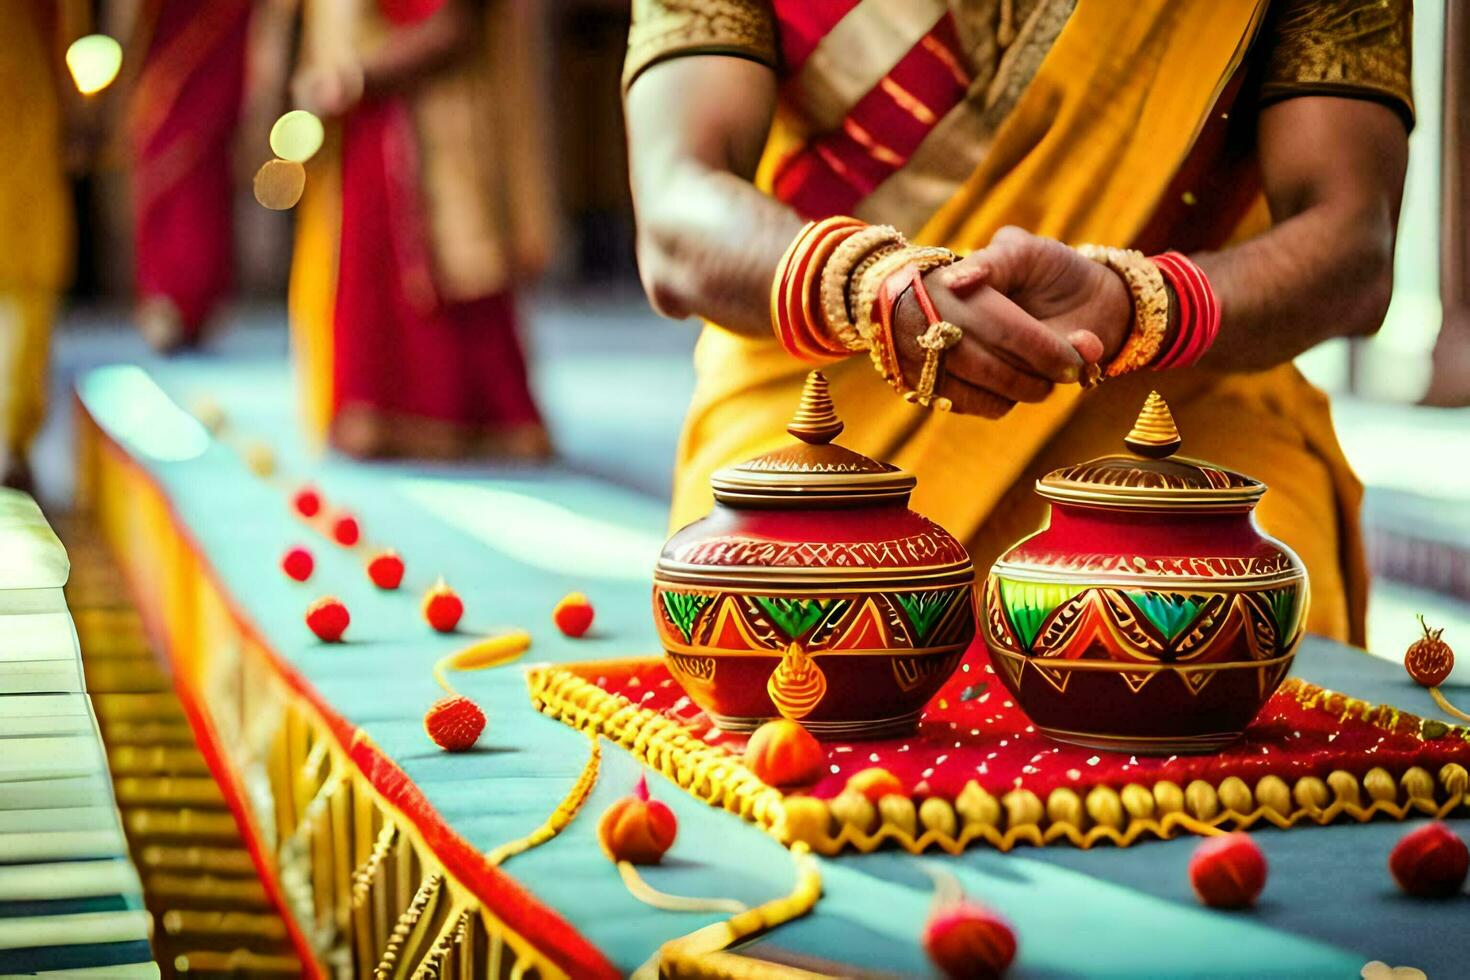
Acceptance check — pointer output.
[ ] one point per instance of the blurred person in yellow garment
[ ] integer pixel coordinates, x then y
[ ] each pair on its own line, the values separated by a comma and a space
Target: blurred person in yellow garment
36, 232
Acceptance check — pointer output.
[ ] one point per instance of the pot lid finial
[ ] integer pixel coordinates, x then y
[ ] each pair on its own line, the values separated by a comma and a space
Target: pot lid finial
1154, 434
815, 422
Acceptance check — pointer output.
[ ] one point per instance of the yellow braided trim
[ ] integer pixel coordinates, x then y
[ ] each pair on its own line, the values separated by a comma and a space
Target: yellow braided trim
1100, 814
702, 953
649, 895
562, 815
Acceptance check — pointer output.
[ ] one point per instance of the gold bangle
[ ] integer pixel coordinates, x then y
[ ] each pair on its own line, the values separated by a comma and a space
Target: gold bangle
1150, 306
940, 337
879, 341
839, 272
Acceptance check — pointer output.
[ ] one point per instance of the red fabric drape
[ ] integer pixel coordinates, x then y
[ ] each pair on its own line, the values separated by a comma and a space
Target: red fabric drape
398, 348
183, 125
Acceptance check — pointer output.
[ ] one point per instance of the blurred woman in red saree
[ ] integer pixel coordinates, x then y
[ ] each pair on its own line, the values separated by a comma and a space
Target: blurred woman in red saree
426, 205
181, 126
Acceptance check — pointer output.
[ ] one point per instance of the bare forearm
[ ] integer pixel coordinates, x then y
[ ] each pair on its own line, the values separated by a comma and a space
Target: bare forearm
1333, 172
708, 246
1324, 273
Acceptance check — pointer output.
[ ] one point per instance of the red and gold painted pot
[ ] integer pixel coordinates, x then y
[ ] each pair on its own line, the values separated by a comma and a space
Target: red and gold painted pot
1151, 614
813, 592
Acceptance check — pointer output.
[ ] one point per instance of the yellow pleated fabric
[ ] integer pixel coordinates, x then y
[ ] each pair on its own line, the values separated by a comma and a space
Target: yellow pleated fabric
35, 216
1085, 156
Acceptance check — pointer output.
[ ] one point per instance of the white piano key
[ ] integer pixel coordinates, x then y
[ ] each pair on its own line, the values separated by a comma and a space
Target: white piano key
67, 879
71, 791
50, 757
62, 845
37, 636
57, 818
117, 971
74, 930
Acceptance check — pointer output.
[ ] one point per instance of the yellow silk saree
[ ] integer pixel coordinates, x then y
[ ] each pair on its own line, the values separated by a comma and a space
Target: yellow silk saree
1084, 120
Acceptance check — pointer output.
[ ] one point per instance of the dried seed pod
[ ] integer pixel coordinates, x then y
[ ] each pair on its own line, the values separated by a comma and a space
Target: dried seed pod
1418, 784
1345, 787
854, 809
977, 806
1064, 806
1454, 778
898, 811
1311, 794
1201, 800
1273, 794
1104, 807
1380, 785
806, 819
1023, 808
1168, 797
1235, 795
937, 815
1138, 801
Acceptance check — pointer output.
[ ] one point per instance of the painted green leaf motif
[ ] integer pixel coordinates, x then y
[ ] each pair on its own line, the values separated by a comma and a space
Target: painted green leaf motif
683, 609
1168, 611
1029, 603
795, 616
924, 609
1283, 610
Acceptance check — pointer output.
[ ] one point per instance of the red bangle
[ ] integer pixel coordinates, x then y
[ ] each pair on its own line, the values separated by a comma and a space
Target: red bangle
1198, 307
796, 316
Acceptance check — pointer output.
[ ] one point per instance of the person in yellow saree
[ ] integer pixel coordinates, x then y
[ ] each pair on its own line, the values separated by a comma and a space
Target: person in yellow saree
424, 210
1265, 139
35, 211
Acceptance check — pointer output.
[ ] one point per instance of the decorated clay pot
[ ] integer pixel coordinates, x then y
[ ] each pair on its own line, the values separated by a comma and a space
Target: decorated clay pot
812, 592
1151, 614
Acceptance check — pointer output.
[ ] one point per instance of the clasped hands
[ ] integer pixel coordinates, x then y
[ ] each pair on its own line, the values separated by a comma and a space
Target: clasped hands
1034, 313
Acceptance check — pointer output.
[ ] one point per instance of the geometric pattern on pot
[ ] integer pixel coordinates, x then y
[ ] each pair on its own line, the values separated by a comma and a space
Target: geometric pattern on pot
1047, 619
899, 620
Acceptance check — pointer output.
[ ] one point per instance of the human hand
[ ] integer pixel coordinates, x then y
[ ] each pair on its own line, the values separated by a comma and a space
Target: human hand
1034, 312
1080, 300
328, 89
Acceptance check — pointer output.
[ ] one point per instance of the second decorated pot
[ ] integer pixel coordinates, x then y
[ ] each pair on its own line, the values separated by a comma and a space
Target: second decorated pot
812, 591
1151, 614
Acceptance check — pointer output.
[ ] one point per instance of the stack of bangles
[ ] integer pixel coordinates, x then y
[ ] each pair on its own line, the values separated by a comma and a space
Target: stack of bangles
837, 287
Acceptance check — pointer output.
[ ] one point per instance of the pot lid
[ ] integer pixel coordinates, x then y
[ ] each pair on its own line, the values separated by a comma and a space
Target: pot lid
814, 470
1151, 475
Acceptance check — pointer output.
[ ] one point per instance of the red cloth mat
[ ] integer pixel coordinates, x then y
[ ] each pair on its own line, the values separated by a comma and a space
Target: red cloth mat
973, 730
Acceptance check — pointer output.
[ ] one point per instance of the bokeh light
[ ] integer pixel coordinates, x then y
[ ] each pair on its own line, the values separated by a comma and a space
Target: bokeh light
279, 183
94, 62
296, 136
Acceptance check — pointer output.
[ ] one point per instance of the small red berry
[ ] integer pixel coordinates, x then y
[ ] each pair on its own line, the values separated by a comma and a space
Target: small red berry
328, 619
573, 615
442, 607
968, 942
345, 531
308, 502
298, 564
1429, 659
636, 828
1228, 871
454, 723
386, 569
1430, 861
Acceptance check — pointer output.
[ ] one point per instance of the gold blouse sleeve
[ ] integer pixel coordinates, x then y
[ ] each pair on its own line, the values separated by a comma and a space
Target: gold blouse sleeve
664, 29
1356, 48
